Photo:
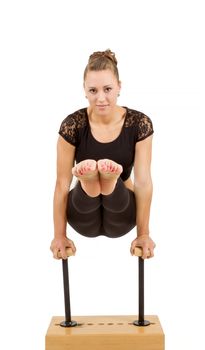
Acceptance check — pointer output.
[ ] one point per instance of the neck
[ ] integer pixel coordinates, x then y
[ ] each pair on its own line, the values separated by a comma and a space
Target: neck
112, 116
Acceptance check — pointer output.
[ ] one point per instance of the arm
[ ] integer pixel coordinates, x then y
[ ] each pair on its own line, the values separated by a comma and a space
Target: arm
65, 162
143, 194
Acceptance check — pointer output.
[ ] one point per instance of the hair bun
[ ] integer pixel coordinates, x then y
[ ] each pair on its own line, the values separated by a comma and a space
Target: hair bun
107, 53
102, 60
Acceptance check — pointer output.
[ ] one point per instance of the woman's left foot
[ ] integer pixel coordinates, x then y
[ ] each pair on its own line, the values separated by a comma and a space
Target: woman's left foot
109, 172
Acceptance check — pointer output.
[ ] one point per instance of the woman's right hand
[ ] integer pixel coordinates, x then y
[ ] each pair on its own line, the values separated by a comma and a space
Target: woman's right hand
60, 245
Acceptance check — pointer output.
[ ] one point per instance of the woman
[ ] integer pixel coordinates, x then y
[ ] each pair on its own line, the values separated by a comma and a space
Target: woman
106, 141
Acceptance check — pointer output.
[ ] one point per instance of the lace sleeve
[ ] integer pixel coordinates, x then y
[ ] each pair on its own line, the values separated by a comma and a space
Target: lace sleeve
68, 130
145, 128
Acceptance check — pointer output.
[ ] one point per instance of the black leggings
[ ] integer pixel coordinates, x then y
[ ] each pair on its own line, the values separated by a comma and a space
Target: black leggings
111, 215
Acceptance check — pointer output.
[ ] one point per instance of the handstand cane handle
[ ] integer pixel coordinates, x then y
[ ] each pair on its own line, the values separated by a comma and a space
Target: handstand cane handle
69, 323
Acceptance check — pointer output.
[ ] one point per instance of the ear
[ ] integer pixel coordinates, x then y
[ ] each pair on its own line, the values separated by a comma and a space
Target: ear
84, 89
119, 85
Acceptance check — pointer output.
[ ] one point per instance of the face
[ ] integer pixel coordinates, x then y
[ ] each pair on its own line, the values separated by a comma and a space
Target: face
101, 89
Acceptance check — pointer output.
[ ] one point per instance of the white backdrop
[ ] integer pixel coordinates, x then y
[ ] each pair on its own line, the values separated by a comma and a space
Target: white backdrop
44, 49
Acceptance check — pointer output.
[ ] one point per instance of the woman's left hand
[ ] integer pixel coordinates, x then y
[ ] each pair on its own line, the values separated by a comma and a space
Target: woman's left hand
147, 245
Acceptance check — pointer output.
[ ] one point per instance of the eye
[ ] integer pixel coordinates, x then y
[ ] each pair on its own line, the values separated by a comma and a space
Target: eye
92, 90
108, 89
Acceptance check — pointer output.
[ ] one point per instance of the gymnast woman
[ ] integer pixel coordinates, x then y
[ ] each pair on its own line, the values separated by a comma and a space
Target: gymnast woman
99, 145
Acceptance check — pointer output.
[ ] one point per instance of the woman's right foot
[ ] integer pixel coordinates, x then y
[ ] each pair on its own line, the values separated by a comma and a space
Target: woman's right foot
87, 173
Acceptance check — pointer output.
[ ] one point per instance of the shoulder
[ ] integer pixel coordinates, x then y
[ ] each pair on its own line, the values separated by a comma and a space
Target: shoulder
135, 117
71, 124
140, 122
77, 118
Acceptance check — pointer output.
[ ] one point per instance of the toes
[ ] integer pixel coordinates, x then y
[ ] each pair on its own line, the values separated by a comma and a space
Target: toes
92, 165
114, 168
84, 167
109, 166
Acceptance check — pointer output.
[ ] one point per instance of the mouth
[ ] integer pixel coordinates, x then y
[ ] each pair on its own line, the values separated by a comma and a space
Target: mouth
102, 106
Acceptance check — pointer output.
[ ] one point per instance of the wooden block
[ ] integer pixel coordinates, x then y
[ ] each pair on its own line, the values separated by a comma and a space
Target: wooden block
138, 251
69, 252
105, 333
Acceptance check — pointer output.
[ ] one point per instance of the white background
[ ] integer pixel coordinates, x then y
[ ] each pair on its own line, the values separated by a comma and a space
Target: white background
44, 49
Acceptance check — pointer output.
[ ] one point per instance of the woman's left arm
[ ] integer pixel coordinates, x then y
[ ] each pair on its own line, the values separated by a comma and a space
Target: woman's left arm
143, 193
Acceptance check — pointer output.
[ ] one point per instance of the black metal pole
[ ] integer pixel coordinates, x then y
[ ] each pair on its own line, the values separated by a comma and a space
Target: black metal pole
68, 322
141, 321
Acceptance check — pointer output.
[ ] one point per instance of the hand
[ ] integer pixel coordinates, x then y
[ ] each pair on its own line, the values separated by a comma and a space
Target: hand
147, 245
60, 245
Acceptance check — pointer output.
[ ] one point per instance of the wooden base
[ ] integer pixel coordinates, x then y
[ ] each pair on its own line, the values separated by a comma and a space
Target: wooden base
105, 333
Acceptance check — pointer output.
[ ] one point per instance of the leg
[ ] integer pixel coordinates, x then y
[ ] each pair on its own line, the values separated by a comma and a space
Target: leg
87, 173
109, 172
84, 213
119, 211
99, 183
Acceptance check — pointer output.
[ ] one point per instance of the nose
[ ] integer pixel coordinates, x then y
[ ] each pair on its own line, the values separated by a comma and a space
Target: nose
101, 96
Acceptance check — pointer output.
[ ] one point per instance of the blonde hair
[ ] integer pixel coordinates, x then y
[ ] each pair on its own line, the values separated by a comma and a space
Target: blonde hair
101, 60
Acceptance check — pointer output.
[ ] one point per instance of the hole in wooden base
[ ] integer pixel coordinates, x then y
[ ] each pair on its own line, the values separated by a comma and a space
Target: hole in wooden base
104, 324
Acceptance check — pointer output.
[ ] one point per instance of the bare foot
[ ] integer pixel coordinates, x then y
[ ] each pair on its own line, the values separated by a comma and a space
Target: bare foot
109, 172
87, 173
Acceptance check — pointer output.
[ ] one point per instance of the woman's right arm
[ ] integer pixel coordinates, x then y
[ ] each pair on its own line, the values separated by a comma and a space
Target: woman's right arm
65, 162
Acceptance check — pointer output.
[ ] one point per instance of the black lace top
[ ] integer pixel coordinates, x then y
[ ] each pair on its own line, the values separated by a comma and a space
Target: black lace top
75, 129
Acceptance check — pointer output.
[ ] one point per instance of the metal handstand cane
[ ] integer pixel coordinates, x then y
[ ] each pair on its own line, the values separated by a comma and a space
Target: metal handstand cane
68, 322
141, 322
